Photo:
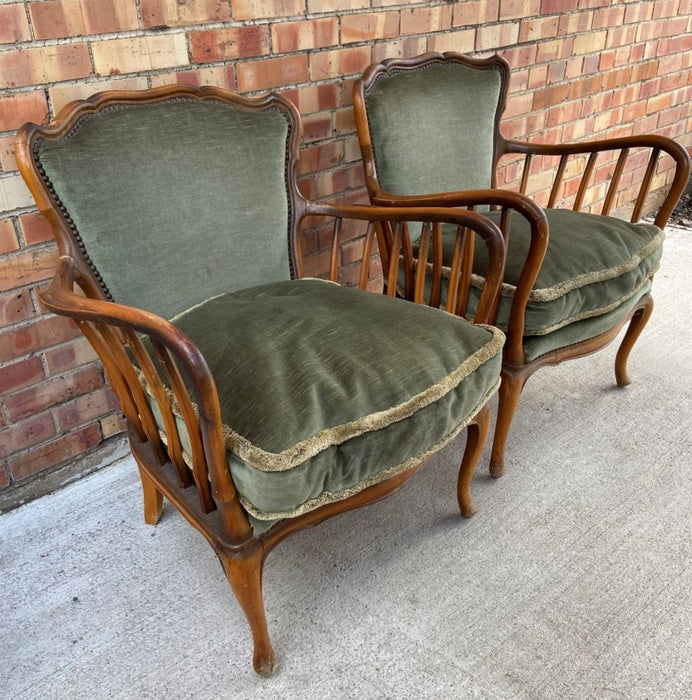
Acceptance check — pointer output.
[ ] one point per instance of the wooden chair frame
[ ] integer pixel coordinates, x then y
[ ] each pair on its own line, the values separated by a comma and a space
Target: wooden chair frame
203, 491
516, 369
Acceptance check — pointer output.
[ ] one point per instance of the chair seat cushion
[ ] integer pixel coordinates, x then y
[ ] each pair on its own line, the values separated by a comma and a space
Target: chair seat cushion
594, 264
325, 390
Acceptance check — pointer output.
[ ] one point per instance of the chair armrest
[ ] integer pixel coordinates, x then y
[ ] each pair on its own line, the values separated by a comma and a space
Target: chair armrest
149, 361
508, 202
392, 228
654, 144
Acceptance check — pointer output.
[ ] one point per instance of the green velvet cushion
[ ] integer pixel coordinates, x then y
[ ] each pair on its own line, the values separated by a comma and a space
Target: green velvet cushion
177, 201
593, 265
433, 129
325, 390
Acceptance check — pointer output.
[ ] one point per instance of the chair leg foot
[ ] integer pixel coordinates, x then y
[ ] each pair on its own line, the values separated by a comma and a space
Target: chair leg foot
244, 573
639, 320
510, 391
475, 442
153, 499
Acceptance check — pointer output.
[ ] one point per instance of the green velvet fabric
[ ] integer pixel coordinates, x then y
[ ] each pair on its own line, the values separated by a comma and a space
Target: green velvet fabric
433, 129
593, 265
579, 331
177, 201
325, 390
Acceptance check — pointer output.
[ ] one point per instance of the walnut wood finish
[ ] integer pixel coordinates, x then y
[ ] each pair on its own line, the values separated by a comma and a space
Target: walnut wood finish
202, 488
516, 369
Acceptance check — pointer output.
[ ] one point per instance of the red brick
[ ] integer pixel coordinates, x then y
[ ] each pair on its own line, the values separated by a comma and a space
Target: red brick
139, 53
517, 9
20, 374
475, 12
8, 237
463, 41
113, 424
4, 477
15, 307
272, 72
41, 333
13, 24
314, 98
65, 18
317, 126
306, 34
19, 436
70, 355
608, 17
60, 95
420, 21
537, 28
328, 5
35, 228
228, 43
338, 63
85, 409
27, 267
551, 6
219, 76
46, 64
256, 9
174, 13
54, 453
315, 158
51, 392
20, 108
638, 12
7, 160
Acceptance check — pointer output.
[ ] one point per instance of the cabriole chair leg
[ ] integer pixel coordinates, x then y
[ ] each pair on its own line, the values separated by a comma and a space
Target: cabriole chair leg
639, 320
244, 573
508, 398
475, 442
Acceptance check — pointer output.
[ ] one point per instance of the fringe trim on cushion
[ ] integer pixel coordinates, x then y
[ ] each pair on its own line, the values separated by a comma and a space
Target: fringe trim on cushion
304, 450
295, 455
546, 294
328, 497
591, 313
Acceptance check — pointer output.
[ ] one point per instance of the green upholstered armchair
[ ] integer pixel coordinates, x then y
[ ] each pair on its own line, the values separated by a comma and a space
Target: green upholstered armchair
257, 402
429, 132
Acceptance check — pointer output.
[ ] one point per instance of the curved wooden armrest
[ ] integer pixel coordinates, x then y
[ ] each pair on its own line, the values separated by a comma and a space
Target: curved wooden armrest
391, 225
158, 372
654, 143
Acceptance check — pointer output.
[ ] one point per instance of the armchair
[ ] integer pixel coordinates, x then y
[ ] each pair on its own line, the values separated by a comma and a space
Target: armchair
258, 402
429, 133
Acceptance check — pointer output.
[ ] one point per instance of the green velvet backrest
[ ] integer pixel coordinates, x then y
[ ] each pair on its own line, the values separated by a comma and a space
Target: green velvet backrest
176, 201
433, 127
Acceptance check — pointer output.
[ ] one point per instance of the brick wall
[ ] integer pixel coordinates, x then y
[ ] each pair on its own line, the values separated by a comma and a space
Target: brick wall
581, 69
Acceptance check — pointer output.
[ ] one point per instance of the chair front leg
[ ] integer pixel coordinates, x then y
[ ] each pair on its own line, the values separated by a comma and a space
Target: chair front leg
244, 573
508, 399
640, 318
475, 442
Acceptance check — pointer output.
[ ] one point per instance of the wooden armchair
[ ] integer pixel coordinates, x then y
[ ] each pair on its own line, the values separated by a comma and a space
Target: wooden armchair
257, 402
429, 132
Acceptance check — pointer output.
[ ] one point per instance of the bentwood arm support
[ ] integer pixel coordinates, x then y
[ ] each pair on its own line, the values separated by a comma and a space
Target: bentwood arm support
633, 152
390, 226
149, 363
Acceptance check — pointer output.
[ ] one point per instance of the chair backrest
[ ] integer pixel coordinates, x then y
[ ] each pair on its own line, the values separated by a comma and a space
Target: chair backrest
172, 195
431, 124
